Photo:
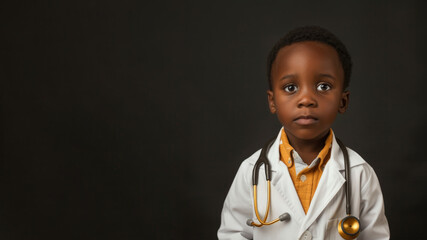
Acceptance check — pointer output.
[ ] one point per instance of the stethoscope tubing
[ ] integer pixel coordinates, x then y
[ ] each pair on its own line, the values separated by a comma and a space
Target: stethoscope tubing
264, 160
347, 188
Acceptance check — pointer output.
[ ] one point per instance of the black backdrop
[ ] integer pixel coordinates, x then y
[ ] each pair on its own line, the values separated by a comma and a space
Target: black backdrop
128, 119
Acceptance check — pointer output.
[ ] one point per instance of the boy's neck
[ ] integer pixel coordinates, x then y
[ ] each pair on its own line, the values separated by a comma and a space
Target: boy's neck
307, 149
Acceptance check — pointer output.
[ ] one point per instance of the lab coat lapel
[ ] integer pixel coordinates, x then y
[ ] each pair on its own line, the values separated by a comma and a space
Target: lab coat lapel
282, 182
330, 183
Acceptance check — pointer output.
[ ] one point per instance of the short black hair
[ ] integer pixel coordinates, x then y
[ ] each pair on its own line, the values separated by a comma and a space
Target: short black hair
312, 33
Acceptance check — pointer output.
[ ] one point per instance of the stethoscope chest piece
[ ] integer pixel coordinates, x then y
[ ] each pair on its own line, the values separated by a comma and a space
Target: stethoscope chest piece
349, 227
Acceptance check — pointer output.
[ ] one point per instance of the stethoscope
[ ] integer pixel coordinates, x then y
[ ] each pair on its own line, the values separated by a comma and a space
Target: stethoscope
348, 227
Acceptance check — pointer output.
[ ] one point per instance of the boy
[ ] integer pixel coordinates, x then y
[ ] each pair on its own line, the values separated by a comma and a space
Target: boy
308, 72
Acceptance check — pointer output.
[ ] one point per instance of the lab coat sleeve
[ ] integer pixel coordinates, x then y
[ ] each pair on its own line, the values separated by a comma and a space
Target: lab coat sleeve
237, 207
374, 223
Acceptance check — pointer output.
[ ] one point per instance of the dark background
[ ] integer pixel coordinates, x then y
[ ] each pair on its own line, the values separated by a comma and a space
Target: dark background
128, 120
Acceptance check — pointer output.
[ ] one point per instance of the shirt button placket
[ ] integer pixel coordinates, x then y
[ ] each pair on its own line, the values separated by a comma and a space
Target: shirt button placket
303, 178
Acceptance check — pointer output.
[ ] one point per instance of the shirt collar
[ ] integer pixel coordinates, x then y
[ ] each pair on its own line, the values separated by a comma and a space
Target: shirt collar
286, 149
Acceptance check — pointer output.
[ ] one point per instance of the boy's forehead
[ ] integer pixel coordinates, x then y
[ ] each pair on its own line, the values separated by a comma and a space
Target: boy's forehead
309, 47
298, 55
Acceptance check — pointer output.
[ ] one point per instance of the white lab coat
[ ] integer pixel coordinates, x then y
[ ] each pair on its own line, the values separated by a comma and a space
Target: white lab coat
327, 207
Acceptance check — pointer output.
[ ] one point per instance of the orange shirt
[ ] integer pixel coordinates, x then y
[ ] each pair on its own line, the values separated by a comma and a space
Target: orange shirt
307, 179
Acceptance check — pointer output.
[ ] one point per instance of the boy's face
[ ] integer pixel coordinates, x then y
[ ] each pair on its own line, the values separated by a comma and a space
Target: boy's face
307, 89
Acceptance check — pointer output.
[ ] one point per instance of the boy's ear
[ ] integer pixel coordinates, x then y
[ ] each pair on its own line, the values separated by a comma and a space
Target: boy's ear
345, 97
271, 104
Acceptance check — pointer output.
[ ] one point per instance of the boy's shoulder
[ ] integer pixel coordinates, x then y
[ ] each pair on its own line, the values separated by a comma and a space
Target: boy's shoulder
357, 163
355, 158
253, 158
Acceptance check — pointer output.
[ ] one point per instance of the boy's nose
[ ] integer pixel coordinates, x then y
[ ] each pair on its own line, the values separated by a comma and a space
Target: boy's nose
307, 99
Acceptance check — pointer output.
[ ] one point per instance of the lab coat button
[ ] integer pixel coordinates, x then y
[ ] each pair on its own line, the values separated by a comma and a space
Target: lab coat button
306, 236
303, 178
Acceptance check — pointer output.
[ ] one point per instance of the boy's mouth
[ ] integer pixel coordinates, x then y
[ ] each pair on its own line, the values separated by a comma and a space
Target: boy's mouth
305, 120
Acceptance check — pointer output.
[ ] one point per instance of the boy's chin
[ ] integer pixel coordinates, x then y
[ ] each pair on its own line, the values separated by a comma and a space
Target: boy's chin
308, 134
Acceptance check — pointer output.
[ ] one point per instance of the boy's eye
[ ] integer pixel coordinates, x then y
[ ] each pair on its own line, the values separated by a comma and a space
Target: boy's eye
290, 88
323, 87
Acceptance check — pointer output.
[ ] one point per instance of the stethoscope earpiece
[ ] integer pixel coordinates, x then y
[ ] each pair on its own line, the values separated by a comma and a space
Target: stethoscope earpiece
349, 227
249, 222
285, 217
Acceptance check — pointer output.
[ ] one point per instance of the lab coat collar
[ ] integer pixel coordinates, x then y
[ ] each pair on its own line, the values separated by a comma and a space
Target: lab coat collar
282, 182
337, 157
274, 154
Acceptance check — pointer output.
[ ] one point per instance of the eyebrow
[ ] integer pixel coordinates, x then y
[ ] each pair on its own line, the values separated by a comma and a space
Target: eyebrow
327, 75
287, 76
